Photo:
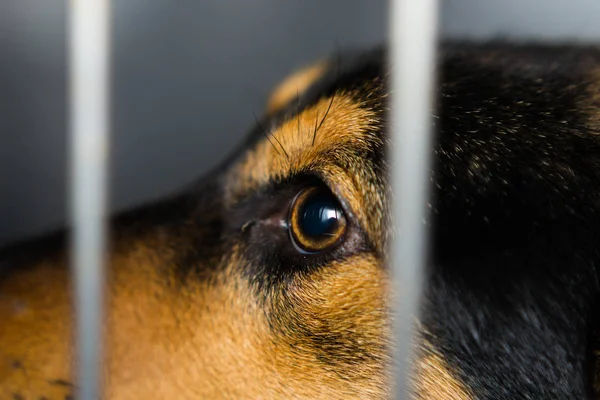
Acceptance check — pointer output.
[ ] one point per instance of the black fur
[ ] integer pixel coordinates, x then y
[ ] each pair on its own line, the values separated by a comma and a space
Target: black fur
516, 220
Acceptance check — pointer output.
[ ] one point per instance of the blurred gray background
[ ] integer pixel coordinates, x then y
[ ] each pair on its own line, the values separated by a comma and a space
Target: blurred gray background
187, 77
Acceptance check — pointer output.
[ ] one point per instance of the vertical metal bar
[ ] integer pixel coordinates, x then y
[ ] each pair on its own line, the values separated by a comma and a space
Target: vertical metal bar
89, 123
413, 47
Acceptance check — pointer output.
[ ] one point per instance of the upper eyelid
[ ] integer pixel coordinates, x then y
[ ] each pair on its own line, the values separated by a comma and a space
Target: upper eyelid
303, 178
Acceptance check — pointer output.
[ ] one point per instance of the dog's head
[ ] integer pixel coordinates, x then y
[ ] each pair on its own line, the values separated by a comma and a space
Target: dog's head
268, 277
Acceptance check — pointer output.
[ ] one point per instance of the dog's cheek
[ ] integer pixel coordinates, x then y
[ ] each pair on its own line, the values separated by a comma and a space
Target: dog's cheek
335, 319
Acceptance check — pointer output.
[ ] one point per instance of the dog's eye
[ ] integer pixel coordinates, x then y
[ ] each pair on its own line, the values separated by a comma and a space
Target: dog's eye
316, 220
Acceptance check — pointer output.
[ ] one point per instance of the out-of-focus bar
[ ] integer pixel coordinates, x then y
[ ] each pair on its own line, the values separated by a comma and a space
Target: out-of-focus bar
89, 41
413, 46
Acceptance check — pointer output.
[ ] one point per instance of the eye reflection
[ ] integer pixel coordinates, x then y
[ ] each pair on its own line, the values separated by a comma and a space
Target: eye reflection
317, 220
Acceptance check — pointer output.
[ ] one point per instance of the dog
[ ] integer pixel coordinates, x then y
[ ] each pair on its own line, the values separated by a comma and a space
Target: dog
267, 278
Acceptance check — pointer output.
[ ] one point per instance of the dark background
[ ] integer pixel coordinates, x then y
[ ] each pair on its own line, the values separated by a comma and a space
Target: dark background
187, 77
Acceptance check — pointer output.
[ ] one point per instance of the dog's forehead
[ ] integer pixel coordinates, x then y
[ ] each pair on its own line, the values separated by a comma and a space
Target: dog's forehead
326, 120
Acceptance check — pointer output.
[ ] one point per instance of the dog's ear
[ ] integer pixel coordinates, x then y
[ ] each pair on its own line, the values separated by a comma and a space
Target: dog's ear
295, 84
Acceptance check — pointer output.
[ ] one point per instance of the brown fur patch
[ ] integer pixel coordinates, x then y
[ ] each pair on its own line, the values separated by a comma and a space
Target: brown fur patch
294, 85
332, 321
196, 341
163, 340
35, 333
435, 381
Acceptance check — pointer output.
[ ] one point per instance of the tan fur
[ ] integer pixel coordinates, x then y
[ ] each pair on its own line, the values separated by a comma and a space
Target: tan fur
35, 332
348, 299
434, 381
205, 341
294, 85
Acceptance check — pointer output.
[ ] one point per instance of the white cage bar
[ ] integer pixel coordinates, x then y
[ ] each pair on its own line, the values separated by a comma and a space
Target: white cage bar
89, 46
413, 40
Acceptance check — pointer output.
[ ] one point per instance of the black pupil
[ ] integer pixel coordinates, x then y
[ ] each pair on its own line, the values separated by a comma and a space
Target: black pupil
319, 215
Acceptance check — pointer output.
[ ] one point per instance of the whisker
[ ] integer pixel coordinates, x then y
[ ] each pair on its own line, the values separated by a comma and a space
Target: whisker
264, 132
315, 130
337, 75
298, 109
323, 120
280, 145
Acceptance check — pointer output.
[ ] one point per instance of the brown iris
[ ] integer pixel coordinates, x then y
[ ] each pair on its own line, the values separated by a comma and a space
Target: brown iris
317, 220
